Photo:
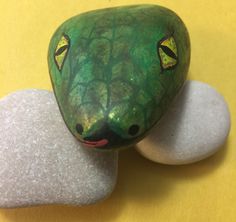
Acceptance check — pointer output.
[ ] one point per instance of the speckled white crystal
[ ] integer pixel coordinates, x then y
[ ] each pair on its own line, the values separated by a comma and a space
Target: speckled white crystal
41, 162
195, 127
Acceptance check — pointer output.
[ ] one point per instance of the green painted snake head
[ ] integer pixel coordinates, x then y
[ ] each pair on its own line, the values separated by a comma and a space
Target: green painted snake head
115, 71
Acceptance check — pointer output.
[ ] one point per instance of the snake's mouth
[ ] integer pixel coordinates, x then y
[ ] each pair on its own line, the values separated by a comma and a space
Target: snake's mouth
98, 143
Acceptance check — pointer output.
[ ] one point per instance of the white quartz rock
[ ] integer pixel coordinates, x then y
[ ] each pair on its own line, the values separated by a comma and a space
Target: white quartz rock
41, 162
195, 127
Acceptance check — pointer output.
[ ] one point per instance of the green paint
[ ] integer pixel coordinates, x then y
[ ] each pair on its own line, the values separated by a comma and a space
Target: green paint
115, 71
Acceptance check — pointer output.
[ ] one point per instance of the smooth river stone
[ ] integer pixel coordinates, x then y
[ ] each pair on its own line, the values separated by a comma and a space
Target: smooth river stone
41, 162
195, 127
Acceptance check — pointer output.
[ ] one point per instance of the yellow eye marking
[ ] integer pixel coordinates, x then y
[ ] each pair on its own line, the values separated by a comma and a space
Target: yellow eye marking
61, 51
167, 51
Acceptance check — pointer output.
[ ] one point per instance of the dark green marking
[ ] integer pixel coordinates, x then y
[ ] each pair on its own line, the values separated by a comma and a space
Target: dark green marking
117, 70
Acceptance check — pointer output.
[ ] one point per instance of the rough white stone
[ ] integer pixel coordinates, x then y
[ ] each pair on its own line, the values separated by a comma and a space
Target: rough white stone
195, 127
41, 162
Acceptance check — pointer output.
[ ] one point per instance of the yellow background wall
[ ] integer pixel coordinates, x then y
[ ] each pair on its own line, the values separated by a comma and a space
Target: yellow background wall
205, 191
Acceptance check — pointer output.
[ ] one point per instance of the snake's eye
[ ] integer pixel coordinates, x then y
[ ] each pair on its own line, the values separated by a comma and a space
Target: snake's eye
167, 52
61, 51
133, 130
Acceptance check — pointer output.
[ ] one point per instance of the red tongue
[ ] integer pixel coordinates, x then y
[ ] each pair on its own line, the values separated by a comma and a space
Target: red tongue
99, 143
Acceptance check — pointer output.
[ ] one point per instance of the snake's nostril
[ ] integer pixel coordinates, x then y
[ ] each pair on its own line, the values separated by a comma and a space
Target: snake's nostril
79, 128
134, 129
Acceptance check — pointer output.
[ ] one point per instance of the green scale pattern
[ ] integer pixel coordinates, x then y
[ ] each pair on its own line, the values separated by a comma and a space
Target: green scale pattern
112, 88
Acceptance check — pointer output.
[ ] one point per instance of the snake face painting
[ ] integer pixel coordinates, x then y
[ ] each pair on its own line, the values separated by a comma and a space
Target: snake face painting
115, 72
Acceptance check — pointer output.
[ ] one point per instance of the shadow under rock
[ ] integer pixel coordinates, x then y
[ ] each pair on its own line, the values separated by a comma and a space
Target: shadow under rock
99, 212
201, 168
140, 179
146, 181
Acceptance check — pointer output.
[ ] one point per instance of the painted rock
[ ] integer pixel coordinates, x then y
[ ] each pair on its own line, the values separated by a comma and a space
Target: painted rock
115, 71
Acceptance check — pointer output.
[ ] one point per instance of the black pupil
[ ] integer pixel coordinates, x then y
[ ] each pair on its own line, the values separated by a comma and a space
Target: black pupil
133, 130
168, 51
61, 50
79, 128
